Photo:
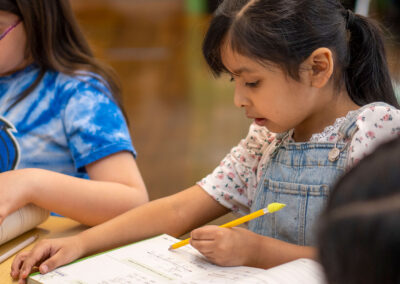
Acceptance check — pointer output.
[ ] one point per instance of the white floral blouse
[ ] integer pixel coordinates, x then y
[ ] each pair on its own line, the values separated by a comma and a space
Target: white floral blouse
233, 183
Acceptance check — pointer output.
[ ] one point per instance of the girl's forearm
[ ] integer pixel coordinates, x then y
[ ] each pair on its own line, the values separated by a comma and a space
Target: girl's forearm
173, 215
87, 201
140, 223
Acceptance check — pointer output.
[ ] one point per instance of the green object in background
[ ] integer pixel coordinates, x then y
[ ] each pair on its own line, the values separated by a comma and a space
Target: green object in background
383, 4
196, 6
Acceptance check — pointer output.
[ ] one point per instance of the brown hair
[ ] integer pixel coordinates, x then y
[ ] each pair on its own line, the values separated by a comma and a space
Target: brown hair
56, 42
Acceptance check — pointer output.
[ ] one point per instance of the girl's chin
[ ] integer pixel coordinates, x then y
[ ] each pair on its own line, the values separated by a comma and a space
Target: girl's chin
260, 121
270, 126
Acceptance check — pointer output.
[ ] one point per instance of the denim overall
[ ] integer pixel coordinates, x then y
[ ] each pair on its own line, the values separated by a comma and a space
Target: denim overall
301, 176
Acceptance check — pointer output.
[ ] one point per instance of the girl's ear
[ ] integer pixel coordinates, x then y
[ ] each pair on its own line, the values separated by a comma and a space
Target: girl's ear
320, 66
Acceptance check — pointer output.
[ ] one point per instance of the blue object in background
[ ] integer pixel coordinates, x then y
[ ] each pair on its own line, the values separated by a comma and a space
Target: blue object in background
9, 150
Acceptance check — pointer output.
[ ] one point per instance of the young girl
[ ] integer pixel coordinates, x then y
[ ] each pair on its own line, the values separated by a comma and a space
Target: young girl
308, 70
360, 227
69, 127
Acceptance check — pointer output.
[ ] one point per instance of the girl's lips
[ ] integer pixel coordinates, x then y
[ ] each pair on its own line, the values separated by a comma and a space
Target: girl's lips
260, 121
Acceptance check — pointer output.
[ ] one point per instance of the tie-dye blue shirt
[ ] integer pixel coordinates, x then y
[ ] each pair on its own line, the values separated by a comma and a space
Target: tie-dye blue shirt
66, 123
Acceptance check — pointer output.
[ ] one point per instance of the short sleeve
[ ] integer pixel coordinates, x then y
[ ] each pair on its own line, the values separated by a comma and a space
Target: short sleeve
376, 125
94, 124
234, 181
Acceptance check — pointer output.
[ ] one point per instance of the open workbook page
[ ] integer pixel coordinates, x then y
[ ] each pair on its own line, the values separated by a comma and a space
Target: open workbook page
150, 261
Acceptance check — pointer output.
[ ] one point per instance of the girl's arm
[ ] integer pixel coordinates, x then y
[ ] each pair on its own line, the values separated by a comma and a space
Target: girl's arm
173, 215
115, 187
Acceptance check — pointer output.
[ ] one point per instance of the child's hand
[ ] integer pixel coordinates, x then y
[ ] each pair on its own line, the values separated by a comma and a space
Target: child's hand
14, 191
226, 246
47, 255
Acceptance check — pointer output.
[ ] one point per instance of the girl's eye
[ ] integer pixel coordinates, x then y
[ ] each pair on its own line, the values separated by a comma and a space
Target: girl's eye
252, 84
232, 79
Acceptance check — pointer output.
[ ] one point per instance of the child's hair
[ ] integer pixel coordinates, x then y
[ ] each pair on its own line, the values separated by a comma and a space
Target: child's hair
56, 43
286, 32
359, 231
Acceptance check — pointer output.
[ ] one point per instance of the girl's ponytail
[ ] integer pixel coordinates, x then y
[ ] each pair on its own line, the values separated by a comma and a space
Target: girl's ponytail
367, 75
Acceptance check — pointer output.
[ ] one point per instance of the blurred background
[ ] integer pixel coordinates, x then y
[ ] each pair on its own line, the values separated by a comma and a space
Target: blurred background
182, 120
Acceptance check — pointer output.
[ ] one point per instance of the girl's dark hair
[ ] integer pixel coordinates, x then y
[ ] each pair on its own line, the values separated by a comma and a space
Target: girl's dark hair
359, 230
56, 42
286, 32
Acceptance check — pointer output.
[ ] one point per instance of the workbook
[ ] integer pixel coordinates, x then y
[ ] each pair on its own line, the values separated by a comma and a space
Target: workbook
151, 261
21, 221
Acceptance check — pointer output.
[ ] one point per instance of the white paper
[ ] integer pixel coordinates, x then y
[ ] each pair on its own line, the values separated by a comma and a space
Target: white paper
151, 262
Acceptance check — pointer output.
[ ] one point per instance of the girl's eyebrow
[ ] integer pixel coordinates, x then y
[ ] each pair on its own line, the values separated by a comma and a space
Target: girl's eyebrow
242, 70
239, 71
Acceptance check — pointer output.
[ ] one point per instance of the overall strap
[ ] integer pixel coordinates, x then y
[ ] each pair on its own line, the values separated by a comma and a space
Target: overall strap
349, 127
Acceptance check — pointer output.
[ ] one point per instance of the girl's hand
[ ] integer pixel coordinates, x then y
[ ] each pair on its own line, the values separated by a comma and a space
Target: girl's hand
15, 192
226, 246
47, 255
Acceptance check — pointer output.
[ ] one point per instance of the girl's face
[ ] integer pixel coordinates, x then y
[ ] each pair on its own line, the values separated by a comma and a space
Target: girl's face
269, 96
13, 55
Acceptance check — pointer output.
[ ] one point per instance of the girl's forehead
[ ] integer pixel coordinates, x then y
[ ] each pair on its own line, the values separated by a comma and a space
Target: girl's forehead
236, 62
231, 57
227, 51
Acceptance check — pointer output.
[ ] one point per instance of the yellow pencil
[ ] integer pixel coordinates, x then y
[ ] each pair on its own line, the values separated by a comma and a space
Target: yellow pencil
272, 207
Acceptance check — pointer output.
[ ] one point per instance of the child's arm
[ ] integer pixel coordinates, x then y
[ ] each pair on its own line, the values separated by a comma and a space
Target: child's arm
238, 246
115, 187
173, 215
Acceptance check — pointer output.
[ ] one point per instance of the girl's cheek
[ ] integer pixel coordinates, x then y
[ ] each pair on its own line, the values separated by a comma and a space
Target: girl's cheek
13, 56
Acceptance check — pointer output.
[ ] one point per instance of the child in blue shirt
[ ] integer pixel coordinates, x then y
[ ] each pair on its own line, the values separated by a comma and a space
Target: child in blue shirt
313, 77
77, 157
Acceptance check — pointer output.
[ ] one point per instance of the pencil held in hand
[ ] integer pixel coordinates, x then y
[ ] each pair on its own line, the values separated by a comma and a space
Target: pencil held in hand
271, 208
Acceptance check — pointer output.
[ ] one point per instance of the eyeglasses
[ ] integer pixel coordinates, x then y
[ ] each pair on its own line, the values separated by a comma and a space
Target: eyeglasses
9, 29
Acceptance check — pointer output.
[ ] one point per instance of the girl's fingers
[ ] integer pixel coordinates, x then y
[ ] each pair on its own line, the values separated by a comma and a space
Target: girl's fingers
58, 259
39, 253
204, 249
208, 239
202, 245
208, 254
205, 233
17, 263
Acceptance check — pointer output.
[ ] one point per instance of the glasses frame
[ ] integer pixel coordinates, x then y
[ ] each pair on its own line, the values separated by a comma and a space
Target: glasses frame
9, 29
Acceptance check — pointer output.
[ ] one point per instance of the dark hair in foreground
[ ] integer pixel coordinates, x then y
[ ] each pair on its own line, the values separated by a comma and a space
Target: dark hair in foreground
56, 42
359, 232
286, 32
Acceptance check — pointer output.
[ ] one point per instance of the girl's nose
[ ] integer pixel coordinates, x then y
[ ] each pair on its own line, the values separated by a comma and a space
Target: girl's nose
239, 98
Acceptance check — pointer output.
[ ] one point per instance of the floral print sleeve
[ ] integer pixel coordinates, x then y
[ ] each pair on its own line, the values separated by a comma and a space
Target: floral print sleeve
376, 125
234, 181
